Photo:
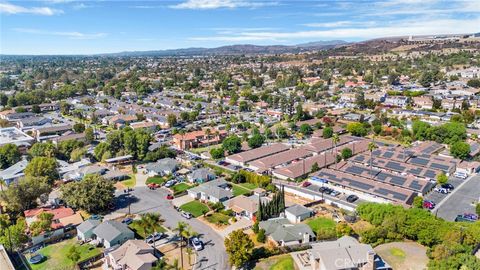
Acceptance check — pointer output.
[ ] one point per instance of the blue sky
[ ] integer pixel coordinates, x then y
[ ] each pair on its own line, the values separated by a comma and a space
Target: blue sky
87, 27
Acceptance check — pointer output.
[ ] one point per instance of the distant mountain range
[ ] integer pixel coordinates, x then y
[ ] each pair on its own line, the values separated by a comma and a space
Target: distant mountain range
238, 49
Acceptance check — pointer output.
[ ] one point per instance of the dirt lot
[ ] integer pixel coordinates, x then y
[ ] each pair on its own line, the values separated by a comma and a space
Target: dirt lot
404, 255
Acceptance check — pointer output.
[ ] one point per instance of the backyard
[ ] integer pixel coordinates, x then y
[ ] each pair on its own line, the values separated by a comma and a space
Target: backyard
325, 225
56, 255
181, 187
396, 254
239, 190
195, 208
156, 180
139, 230
282, 262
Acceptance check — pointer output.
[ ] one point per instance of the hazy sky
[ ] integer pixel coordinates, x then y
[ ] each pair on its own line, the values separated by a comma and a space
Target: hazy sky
86, 27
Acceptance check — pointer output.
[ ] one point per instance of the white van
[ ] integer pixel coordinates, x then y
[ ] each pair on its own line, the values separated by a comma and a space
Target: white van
461, 175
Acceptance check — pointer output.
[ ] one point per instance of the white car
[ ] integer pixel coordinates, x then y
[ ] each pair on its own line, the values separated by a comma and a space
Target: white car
154, 237
441, 190
196, 243
170, 183
186, 215
461, 175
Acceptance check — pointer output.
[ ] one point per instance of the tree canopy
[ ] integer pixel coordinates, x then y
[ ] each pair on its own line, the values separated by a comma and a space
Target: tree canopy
239, 248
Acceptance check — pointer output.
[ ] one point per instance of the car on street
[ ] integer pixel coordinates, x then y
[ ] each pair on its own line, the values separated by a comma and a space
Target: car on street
155, 237
467, 217
127, 221
306, 184
170, 183
428, 204
186, 215
441, 190
153, 186
196, 243
169, 197
461, 175
335, 193
352, 198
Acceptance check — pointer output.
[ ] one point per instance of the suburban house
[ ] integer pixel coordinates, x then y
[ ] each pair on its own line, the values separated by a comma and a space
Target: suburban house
201, 175
298, 213
62, 216
85, 229
283, 233
199, 138
244, 206
120, 120
14, 172
111, 233
132, 255
162, 167
214, 191
343, 253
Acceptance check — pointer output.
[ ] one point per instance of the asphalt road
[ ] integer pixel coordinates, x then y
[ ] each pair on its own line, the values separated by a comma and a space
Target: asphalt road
460, 200
144, 200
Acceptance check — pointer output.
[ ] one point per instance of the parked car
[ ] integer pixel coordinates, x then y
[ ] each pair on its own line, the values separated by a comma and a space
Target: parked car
169, 197
335, 193
306, 184
186, 215
196, 243
153, 186
155, 237
467, 217
95, 217
170, 183
428, 204
127, 221
36, 259
441, 190
461, 175
448, 186
352, 198
323, 189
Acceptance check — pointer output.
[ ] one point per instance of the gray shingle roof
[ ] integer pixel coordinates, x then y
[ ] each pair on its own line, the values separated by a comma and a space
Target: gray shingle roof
109, 230
298, 210
87, 225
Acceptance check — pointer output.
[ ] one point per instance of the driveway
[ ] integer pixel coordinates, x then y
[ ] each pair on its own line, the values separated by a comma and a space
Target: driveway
182, 200
242, 223
144, 200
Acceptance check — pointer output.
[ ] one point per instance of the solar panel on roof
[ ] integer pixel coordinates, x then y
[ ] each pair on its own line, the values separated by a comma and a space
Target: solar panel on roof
397, 180
415, 171
439, 166
419, 161
388, 154
430, 174
381, 176
415, 185
395, 166
382, 191
361, 185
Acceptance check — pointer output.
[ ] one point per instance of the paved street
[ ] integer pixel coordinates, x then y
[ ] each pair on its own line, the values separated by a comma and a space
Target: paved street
460, 200
145, 200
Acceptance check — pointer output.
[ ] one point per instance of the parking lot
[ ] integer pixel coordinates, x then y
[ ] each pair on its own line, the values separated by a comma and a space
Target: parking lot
460, 200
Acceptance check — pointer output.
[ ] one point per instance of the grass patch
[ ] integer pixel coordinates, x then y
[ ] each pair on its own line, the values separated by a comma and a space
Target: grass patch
248, 185
135, 226
57, 255
218, 218
239, 190
195, 208
322, 223
156, 180
181, 187
397, 253
284, 263
130, 182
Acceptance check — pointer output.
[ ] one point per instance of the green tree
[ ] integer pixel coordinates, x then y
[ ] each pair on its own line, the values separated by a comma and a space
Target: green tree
346, 153
475, 83
9, 155
357, 129
315, 167
12, 235
93, 194
25, 193
460, 150
172, 120
418, 202
77, 154
232, 144
306, 129
79, 128
261, 236
217, 153
256, 141
442, 178
89, 135
42, 167
43, 150
42, 224
327, 132
150, 223
73, 254
239, 248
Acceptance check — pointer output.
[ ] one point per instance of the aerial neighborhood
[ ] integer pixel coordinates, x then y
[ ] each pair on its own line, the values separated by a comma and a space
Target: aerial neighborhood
359, 156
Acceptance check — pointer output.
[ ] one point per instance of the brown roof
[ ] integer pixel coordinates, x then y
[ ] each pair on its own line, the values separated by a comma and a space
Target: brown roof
259, 152
134, 254
280, 158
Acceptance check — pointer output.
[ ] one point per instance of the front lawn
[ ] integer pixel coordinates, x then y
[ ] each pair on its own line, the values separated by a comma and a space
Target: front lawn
283, 263
181, 187
218, 218
137, 228
57, 255
249, 186
239, 190
156, 180
321, 223
195, 208
130, 182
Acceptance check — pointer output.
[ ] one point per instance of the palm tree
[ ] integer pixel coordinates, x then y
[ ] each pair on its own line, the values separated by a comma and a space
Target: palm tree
406, 143
371, 147
2, 183
208, 132
149, 223
181, 229
335, 141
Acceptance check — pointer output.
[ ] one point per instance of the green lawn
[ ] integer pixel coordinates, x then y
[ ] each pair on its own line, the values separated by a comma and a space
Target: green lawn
283, 263
195, 208
239, 190
321, 223
57, 255
135, 226
130, 182
397, 253
218, 218
156, 179
181, 187
248, 185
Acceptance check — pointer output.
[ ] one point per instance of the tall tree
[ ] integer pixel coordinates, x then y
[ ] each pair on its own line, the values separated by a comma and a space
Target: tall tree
93, 194
239, 247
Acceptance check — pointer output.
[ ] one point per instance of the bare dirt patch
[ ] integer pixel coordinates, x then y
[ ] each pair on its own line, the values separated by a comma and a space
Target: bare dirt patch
404, 255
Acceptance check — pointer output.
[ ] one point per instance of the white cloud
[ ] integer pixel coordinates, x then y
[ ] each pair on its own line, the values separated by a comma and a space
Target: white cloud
339, 24
399, 28
215, 4
71, 35
15, 9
